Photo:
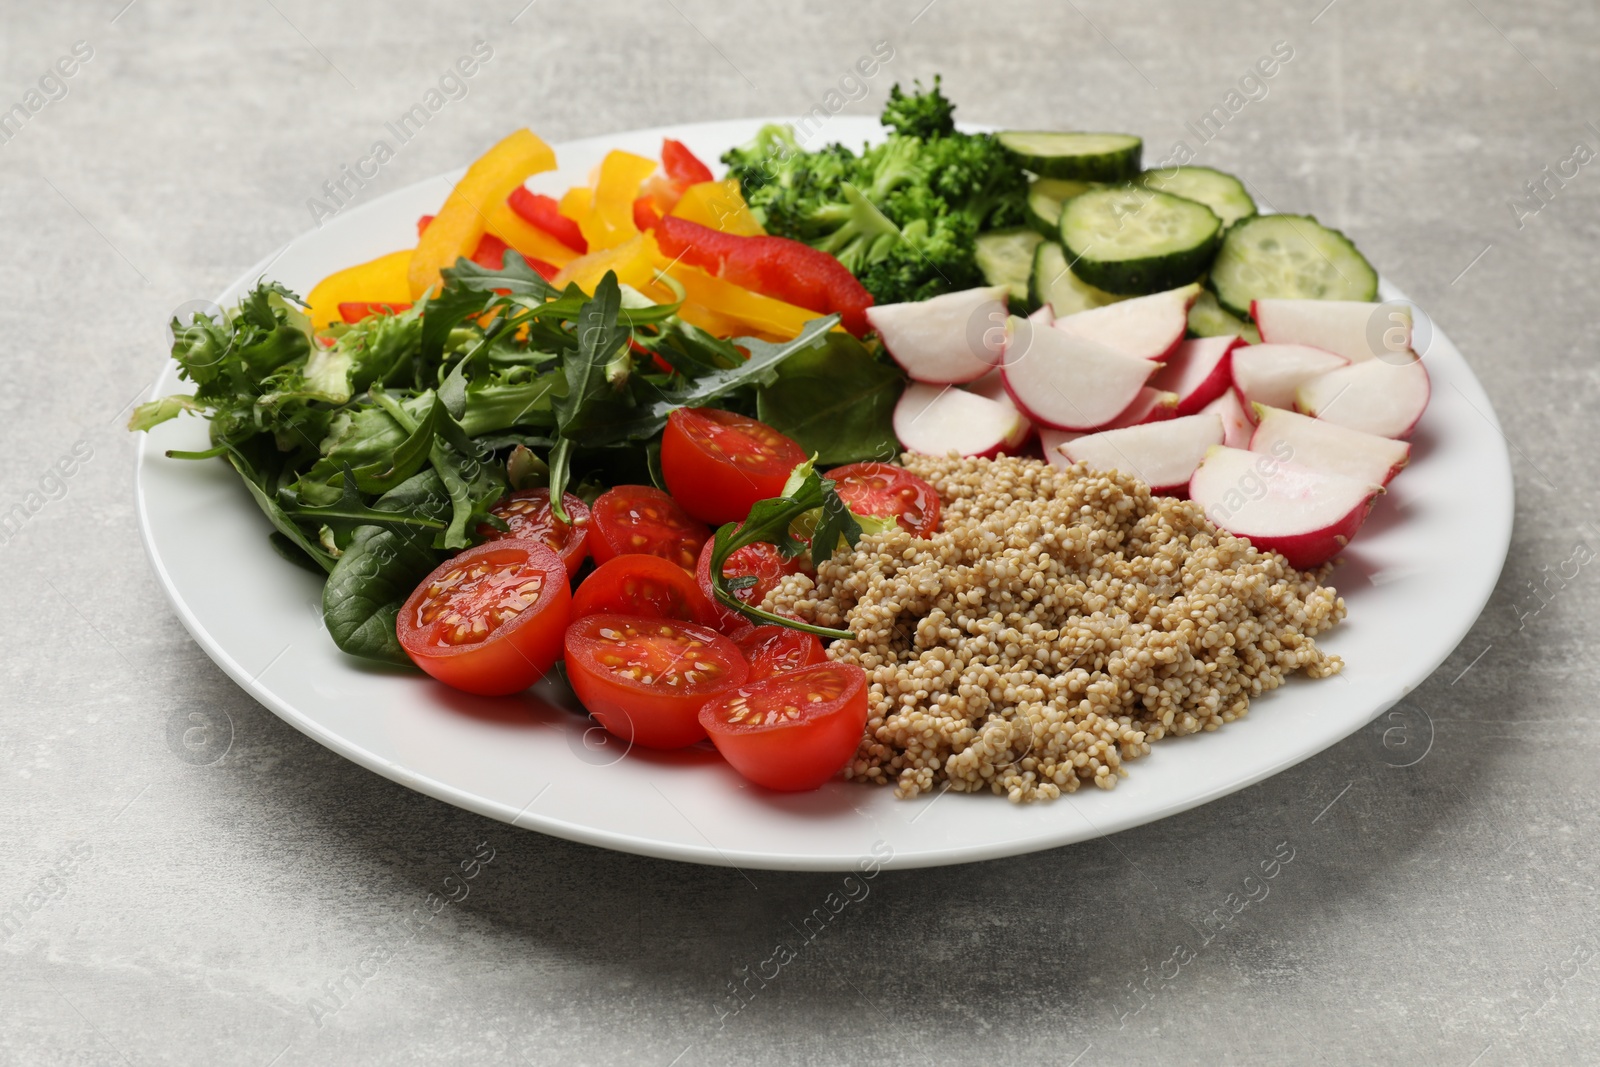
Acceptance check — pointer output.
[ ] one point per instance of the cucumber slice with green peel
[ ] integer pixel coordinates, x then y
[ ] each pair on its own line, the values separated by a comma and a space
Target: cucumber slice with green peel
1130, 240
1045, 197
1054, 283
1006, 258
1224, 194
1207, 319
1090, 157
1287, 256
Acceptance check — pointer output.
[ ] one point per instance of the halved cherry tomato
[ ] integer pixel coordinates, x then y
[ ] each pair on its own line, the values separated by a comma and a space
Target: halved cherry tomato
762, 561
527, 512
718, 463
641, 518
489, 620
645, 680
887, 491
778, 649
642, 585
791, 731
355, 310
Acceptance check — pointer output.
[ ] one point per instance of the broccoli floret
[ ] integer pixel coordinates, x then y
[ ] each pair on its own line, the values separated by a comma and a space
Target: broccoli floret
903, 216
924, 114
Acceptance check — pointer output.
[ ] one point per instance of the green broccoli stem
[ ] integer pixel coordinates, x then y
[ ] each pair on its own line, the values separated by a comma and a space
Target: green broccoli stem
864, 232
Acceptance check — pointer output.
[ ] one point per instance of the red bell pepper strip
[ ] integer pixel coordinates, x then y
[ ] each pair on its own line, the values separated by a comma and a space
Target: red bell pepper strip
777, 267
645, 215
354, 311
681, 165
544, 212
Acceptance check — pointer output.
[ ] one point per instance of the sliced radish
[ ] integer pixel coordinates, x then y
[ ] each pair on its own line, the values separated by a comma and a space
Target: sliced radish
1236, 425
993, 386
1305, 514
1354, 329
938, 419
1146, 327
1163, 455
1199, 370
1068, 382
1052, 440
1151, 405
1042, 315
1375, 396
1269, 374
957, 337
1328, 447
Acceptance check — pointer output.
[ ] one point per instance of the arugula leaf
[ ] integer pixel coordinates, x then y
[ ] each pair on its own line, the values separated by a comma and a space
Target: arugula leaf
591, 403
770, 520
835, 401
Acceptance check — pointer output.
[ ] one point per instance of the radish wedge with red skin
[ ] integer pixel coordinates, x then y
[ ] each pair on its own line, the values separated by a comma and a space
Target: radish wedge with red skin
1052, 440
1199, 370
1306, 515
936, 420
1376, 396
1236, 425
1146, 327
1163, 455
1355, 329
1269, 374
1067, 382
1151, 405
947, 340
1328, 447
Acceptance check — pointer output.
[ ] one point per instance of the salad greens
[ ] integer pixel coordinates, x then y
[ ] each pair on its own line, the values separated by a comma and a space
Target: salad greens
380, 449
904, 215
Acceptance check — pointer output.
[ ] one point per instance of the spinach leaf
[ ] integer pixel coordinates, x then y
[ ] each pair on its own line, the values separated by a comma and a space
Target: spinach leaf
836, 401
379, 569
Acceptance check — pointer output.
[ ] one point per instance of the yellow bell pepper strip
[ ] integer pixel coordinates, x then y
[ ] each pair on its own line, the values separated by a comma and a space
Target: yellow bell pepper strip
749, 309
576, 203
713, 323
529, 240
635, 261
609, 222
462, 220
720, 206
378, 281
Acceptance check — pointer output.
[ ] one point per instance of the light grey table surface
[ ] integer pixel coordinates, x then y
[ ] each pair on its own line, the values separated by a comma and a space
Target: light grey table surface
1440, 907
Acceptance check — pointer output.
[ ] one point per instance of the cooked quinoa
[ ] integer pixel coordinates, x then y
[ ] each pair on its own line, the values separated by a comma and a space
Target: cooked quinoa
1056, 625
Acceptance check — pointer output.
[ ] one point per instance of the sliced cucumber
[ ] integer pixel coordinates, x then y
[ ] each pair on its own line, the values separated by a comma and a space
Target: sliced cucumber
1131, 240
1054, 283
1223, 193
1090, 157
1207, 319
1045, 197
1006, 258
1290, 256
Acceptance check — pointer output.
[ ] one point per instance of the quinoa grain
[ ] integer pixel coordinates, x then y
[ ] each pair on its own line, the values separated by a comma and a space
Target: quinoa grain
1056, 625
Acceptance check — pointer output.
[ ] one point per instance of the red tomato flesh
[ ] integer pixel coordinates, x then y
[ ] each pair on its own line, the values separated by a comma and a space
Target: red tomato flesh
762, 561
778, 649
645, 680
718, 463
490, 620
527, 512
643, 585
640, 518
791, 731
887, 491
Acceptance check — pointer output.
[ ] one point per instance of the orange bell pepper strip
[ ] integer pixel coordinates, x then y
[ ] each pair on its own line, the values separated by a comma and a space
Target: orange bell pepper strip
609, 222
720, 206
749, 309
463, 220
378, 281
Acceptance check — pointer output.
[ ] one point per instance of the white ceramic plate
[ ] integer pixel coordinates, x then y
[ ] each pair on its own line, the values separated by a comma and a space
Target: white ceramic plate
1414, 580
